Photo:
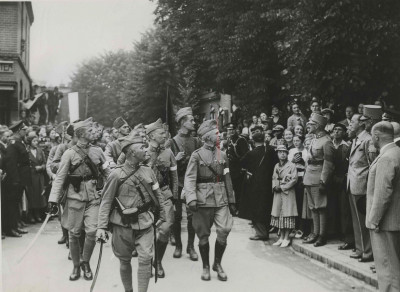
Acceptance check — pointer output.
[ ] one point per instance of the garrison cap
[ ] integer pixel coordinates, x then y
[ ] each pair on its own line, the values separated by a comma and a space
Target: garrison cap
132, 138
182, 113
119, 122
83, 124
18, 125
318, 119
206, 127
373, 112
281, 148
154, 126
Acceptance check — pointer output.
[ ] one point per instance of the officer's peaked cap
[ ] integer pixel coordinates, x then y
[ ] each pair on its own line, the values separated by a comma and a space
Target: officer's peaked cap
371, 111
318, 119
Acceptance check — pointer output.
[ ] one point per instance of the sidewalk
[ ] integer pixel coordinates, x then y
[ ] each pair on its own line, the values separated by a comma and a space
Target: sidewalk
337, 259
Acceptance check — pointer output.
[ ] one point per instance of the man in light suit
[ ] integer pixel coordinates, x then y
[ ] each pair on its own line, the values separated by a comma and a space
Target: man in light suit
383, 207
357, 187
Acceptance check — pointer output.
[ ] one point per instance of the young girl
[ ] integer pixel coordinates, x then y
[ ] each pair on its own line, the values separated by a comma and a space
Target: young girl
284, 210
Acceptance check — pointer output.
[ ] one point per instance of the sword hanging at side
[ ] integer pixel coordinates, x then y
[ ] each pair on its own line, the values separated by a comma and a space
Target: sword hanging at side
98, 266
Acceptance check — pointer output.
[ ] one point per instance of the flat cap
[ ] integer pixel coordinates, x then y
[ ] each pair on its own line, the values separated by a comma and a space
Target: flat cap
318, 119
278, 128
206, 127
133, 138
83, 124
182, 113
18, 125
281, 148
119, 122
371, 111
154, 126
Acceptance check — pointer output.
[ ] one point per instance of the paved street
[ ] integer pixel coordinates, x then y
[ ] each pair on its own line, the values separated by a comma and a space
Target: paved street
251, 266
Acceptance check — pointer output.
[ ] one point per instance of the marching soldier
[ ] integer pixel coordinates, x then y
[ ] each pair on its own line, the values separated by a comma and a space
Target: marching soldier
209, 195
183, 145
163, 163
81, 168
113, 149
318, 176
134, 189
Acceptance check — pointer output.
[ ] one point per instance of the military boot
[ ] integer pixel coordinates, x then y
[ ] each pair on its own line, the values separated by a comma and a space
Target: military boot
219, 252
178, 240
161, 247
190, 247
76, 273
204, 253
87, 272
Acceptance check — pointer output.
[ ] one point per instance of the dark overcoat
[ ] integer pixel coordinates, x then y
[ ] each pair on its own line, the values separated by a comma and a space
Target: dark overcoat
35, 197
257, 195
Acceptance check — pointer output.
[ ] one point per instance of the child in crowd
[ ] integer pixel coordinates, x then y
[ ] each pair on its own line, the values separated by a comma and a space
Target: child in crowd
284, 210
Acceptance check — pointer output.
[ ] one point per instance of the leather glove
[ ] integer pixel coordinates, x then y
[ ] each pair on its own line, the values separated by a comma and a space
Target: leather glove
233, 210
52, 208
193, 206
101, 235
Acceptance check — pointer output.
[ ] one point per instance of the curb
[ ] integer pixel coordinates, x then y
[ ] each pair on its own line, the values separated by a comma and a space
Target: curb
333, 262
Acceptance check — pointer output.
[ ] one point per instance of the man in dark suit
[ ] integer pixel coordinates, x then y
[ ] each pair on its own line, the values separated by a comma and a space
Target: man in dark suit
383, 207
18, 177
4, 135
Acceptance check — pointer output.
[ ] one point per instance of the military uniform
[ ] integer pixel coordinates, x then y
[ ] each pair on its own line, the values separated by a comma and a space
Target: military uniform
132, 186
208, 182
82, 197
113, 149
317, 177
163, 163
183, 142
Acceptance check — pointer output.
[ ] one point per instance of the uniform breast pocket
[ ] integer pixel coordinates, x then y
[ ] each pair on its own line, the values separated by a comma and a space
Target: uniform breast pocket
220, 193
203, 170
318, 152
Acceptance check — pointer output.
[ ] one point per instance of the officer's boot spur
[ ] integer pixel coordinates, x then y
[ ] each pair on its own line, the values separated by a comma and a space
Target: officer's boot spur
219, 252
204, 253
87, 272
161, 247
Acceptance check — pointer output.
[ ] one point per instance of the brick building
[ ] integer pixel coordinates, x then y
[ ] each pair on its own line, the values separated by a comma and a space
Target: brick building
16, 19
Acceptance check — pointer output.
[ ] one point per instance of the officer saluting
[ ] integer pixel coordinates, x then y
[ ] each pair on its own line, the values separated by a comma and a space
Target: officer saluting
208, 192
81, 167
163, 163
134, 189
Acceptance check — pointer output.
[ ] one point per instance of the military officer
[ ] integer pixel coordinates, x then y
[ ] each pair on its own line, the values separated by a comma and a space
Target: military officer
18, 177
131, 185
318, 176
209, 194
163, 163
80, 169
183, 145
113, 148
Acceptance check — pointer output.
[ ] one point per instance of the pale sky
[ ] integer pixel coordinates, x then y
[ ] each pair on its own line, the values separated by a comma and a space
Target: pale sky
65, 33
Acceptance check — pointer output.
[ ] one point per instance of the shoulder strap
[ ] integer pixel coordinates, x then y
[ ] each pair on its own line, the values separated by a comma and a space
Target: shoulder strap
86, 159
176, 145
209, 166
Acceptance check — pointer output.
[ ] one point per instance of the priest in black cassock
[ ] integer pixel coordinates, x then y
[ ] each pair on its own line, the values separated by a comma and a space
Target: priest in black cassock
257, 195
